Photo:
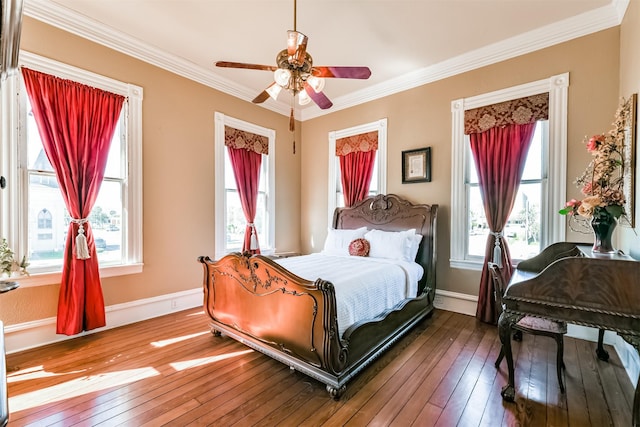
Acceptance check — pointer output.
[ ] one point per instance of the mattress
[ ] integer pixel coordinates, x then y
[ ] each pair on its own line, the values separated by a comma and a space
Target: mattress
365, 287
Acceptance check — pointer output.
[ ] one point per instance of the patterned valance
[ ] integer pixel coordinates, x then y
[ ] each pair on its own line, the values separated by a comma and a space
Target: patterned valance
236, 138
363, 142
518, 111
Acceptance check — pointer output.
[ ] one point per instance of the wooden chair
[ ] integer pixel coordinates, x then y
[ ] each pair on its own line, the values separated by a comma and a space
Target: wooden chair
530, 324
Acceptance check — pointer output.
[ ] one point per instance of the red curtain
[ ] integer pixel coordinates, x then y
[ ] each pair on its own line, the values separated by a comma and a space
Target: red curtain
76, 124
246, 170
356, 169
500, 154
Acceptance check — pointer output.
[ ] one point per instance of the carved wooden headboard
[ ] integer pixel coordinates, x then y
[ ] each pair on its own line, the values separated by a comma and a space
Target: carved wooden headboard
393, 213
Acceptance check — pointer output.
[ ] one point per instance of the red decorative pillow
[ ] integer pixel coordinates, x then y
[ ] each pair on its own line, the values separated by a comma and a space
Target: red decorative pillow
359, 247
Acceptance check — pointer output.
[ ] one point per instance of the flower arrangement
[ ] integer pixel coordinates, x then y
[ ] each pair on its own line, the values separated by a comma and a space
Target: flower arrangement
602, 182
8, 264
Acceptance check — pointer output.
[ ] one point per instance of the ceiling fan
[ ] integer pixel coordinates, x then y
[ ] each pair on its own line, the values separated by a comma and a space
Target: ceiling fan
294, 71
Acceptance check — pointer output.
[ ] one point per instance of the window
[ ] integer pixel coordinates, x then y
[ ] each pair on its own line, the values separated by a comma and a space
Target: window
33, 201
44, 219
533, 223
230, 222
379, 178
524, 225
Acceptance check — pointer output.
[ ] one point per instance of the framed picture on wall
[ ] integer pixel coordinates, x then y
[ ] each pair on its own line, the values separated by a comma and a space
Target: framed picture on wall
629, 112
416, 165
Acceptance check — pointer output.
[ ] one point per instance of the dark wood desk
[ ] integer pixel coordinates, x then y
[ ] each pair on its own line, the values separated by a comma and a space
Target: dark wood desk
569, 283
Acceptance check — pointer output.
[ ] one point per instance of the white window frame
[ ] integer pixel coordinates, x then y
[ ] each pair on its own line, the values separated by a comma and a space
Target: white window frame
555, 158
13, 202
222, 120
381, 157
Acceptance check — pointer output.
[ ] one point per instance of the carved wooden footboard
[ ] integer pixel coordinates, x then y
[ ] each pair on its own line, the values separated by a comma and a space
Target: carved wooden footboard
273, 307
263, 305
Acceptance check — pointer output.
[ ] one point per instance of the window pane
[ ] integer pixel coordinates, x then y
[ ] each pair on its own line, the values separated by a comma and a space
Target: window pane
533, 167
235, 221
115, 163
522, 230
46, 247
477, 227
106, 222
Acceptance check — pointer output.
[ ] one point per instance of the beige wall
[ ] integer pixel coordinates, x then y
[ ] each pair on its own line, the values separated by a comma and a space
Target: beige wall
629, 84
178, 162
422, 117
178, 152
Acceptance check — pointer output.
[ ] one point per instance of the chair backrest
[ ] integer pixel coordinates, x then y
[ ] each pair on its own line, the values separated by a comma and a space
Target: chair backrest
499, 286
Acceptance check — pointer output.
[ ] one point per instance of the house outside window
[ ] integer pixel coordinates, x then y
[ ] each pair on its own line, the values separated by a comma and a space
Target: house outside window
534, 222
33, 200
44, 219
230, 222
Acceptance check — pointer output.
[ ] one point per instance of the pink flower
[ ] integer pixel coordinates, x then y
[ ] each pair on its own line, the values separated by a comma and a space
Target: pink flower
595, 142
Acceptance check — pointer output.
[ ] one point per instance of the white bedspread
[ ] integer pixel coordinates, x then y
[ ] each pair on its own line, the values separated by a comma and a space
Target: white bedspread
365, 287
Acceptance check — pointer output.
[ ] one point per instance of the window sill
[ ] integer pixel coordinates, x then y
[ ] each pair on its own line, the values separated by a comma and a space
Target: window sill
42, 279
466, 264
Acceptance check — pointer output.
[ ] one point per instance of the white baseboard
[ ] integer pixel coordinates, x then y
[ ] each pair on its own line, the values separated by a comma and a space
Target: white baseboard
466, 304
28, 335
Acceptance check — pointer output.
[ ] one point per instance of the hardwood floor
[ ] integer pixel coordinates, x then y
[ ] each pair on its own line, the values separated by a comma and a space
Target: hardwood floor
172, 371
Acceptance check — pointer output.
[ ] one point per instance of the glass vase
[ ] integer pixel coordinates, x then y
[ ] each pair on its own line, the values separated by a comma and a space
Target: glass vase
603, 226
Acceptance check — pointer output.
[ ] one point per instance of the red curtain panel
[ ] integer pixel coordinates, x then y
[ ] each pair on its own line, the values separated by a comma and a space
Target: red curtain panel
76, 124
500, 154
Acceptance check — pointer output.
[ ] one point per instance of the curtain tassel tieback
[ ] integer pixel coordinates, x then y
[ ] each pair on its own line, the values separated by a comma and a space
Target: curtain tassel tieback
253, 245
82, 249
497, 249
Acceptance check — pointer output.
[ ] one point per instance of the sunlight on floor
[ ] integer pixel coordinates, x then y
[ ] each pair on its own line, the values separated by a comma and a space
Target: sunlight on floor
35, 372
180, 366
78, 387
170, 341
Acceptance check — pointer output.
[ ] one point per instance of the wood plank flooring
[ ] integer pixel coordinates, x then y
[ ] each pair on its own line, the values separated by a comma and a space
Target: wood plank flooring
172, 371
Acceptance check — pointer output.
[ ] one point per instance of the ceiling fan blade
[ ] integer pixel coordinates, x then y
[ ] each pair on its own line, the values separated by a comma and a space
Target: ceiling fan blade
263, 96
227, 64
319, 98
342, 72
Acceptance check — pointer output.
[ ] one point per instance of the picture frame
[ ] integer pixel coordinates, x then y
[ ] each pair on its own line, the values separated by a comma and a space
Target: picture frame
629, 113
416, 165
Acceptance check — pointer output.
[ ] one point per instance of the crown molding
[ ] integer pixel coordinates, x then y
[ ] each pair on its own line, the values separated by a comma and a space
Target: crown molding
587, 23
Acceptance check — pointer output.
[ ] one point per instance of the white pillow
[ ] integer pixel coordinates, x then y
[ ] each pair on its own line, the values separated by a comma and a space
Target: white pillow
392, 244
337, 241
413, 253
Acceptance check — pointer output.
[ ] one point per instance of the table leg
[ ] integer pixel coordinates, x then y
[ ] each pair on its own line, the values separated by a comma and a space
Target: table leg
504, 331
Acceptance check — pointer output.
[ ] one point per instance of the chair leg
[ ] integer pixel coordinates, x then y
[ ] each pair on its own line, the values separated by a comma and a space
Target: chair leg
500, 357
560, 361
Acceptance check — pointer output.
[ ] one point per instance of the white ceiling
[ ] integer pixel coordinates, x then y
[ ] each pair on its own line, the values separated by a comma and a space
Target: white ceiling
405, 43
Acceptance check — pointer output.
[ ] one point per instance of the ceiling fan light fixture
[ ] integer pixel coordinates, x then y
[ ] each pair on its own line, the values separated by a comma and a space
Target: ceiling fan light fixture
282, 76
273, 91
316, 83
296, 47
303, 98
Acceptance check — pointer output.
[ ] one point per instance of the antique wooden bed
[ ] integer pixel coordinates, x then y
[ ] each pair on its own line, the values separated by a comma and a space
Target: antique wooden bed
263, 305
